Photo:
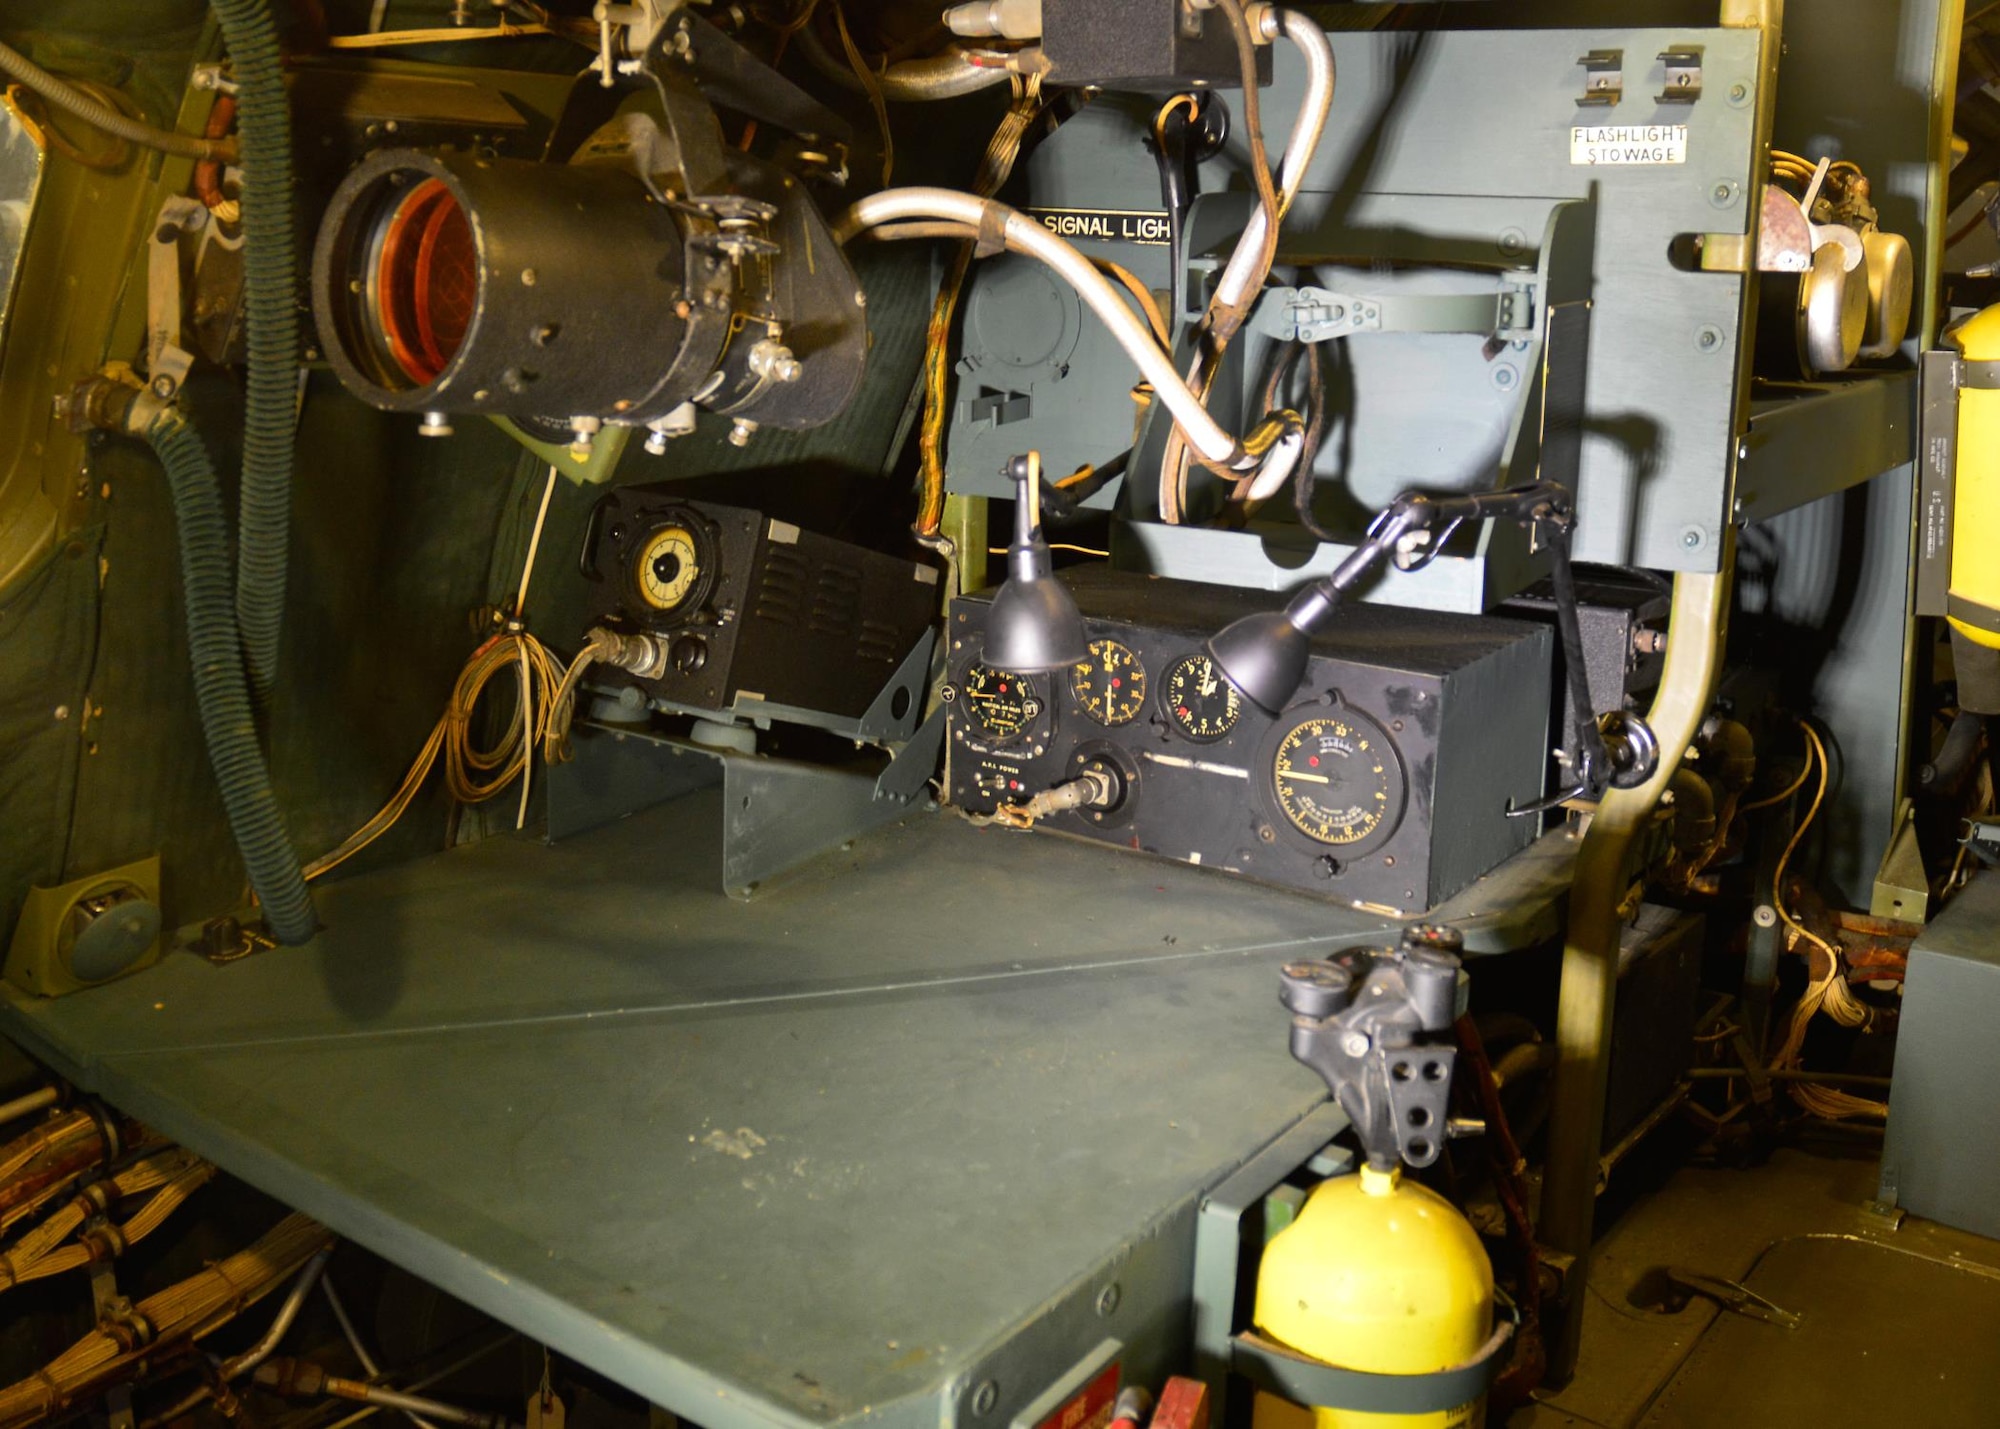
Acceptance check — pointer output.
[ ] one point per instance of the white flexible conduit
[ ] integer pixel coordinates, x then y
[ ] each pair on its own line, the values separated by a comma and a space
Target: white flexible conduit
1024, 235
1239, 275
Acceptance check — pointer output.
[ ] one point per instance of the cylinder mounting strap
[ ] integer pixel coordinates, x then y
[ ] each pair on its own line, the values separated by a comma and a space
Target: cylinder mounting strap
1304, 1380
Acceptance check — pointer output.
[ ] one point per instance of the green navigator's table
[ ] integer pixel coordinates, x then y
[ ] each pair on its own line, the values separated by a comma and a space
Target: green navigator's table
851, 1149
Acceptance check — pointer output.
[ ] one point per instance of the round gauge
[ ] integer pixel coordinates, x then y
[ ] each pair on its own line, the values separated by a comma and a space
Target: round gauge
1002, 703
667, 567
1337, 779
1202, 705
1111, 684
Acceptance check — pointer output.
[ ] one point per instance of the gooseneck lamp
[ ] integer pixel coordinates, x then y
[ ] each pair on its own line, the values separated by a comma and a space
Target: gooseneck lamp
1033, 623
1265, 655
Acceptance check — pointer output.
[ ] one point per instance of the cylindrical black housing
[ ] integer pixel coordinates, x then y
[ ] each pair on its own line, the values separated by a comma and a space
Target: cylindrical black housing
460, 283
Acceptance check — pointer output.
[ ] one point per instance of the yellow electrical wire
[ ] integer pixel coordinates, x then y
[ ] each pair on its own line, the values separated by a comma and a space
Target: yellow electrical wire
546, 700
1829, 994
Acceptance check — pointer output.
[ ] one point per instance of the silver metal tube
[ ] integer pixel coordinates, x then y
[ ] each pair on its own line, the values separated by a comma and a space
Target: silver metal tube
355, 1343
280, 1326
1239, 275
32, 1102
416, 1404
1024, 235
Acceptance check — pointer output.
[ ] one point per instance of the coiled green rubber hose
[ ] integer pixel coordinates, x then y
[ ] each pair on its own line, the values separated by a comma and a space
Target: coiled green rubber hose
270, 284
228, 720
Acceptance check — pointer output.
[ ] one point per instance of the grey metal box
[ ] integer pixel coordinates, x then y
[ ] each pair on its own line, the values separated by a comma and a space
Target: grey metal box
1942, 1159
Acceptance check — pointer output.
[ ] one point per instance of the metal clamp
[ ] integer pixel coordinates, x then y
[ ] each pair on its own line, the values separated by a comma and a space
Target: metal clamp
1683, 75
1603, 78
1290, 1375
1322, 314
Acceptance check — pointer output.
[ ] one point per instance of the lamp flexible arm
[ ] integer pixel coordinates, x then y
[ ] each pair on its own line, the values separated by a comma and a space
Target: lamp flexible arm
1265, 655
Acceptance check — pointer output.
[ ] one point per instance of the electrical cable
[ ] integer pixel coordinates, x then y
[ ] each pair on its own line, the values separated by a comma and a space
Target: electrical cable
1829, 993
996, 165
1021, 234
546, 695
101, 116
1250, 261
871, 84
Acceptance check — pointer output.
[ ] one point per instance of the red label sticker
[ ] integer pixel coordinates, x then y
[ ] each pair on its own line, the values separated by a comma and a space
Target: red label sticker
1089, 1407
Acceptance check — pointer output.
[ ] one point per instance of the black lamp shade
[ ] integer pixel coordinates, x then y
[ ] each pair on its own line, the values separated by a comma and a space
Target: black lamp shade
1033, 623
1264, 656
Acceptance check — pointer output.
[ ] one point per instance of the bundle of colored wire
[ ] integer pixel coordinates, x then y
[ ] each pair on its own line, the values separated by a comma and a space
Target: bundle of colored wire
995, 166
546, 694
173, 1176
181, 1313
18, 1154
1828, 992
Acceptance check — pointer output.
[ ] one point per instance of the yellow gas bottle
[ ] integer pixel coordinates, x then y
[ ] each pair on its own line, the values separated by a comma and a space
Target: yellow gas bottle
1375, 1274
1974, 603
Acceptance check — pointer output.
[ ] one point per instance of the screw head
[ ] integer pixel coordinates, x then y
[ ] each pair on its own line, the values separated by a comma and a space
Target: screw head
1355, 1044
1107, 1300
1723, 194
1708, 338
1693, 537
985, 1397
1739, 94
1764, 916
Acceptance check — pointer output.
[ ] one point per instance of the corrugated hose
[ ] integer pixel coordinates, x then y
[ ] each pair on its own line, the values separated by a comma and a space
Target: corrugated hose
270, 268
222, 694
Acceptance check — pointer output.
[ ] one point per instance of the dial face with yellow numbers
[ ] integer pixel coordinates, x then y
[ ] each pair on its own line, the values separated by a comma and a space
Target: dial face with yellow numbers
1111, 684
1200, 702
1338, 779
1002, 703
667, 567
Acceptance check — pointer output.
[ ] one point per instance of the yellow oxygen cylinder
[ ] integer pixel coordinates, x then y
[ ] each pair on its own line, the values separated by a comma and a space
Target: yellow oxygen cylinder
1375, 1274
1974, 602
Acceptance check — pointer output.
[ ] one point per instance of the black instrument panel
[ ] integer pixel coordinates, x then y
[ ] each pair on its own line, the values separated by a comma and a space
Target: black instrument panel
1383, 784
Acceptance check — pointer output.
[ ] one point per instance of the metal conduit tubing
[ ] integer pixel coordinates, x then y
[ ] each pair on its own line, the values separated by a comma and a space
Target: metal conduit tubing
1239, 274
33, 1101
1024, 235
367, 1361
99, 116
415, 1404
1589, 987
281, 1324
945, 76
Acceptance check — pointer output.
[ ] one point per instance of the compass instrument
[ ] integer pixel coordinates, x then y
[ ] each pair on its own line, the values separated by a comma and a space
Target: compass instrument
1111, 684
668, 568
1337, 779
1200, 703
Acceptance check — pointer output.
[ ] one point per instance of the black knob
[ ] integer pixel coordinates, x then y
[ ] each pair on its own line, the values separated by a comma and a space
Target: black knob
690, 653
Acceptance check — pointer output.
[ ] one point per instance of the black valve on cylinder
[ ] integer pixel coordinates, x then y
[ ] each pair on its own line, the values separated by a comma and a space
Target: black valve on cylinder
1376, 1023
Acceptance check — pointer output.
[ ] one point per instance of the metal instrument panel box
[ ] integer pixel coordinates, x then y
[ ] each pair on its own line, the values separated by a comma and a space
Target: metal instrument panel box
1384, 784
755, 612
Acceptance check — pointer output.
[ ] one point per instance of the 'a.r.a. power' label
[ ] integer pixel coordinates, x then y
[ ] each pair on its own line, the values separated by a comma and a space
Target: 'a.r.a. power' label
1106, 225
1628, 144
